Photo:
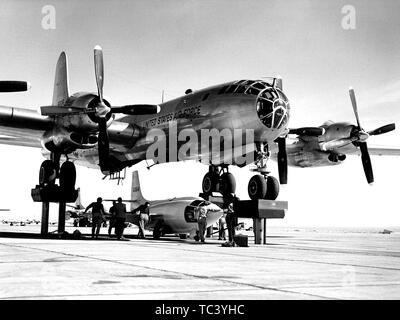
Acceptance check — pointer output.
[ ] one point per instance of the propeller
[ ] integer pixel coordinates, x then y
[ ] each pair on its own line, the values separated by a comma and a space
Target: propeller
359, 137
282, 160
103, 111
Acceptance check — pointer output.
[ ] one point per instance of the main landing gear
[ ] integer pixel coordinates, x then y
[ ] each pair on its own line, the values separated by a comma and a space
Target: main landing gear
219, 179
48, 191
261, 186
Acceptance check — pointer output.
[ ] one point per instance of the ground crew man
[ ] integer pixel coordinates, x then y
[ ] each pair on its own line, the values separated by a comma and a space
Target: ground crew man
112, 218
231, 223
202, 222
97, 216
222, 227
120, 217
144, 213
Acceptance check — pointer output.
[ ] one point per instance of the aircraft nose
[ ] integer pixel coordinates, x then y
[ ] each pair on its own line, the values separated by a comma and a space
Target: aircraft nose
273, 108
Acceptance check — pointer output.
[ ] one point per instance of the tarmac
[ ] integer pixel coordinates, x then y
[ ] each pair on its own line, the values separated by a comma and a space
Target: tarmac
295, 264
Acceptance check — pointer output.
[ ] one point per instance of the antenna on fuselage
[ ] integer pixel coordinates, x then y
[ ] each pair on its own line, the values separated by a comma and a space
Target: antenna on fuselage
162, 96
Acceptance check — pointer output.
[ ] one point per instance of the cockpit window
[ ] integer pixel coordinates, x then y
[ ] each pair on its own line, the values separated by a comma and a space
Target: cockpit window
272, 108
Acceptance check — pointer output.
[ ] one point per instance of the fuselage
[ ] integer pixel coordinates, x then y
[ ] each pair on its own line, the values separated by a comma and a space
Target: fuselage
178, 215
230, 109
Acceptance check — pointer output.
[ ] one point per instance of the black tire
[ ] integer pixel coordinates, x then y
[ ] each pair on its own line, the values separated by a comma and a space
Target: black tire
67, 176
257, 187
272, 188
227, 184
209, 182
47, 173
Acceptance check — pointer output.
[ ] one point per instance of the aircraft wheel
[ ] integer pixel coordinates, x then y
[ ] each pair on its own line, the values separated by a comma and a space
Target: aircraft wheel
210, 181
182, 236
227, 183
272, 188
47, 173
67, 176
257, 187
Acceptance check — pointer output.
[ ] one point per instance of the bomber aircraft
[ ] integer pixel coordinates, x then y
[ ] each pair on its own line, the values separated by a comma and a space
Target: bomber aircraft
81, 128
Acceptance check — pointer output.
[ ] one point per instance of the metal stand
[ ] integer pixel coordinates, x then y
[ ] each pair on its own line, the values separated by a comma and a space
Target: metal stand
61, 217
259, 231
45, 218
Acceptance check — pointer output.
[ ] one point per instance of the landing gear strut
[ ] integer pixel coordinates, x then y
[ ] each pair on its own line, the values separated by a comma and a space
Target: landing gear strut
48, 191
263, 186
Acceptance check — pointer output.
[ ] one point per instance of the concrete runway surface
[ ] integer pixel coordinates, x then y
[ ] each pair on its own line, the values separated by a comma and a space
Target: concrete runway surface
297, 263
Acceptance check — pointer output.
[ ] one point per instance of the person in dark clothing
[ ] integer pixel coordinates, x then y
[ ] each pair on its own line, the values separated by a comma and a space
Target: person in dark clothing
112, 218
97, 216
222, 227
202, 222
231, 223
120, 217
144, 211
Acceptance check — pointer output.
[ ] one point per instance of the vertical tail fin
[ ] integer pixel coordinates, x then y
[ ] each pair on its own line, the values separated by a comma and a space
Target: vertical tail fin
60, 92
78, 202
136, 192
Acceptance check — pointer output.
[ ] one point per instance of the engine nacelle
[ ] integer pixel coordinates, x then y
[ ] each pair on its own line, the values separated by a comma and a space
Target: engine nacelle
83, 123
63, 141
337, 130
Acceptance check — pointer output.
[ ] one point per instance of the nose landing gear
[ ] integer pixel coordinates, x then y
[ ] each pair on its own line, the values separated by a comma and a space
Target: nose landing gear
263, 185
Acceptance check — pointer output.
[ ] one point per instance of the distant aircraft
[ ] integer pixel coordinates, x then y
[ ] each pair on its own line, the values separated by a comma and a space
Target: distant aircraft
171, 216
82, 127
338, 139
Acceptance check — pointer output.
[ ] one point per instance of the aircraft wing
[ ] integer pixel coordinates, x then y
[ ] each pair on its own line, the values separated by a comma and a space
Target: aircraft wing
22, 127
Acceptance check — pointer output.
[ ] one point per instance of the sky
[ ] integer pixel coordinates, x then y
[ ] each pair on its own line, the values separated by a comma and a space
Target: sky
151, 46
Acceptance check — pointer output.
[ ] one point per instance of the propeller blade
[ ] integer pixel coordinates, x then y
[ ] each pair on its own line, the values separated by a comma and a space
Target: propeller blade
354, 103
99, 70
366, 161
14, 86
381, 130
137, 109
103, 145
282, 160
308, 131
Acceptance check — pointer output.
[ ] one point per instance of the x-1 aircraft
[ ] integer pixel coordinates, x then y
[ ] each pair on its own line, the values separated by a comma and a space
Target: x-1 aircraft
81, 128
171, 216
